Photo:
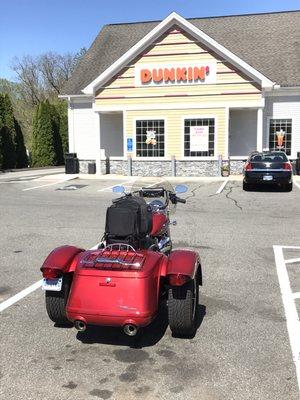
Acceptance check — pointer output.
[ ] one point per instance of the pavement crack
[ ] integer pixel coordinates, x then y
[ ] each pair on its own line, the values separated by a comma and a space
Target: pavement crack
229, 191
193, 192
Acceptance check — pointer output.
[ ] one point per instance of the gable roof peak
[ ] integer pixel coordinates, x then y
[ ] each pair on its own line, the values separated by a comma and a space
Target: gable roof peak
158, 30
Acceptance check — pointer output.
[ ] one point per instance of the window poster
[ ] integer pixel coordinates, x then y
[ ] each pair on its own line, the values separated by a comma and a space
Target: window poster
199, 138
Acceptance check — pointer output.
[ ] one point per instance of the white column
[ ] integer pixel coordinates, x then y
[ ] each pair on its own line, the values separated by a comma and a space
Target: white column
97, 142
72, 147
259, 130
227, 127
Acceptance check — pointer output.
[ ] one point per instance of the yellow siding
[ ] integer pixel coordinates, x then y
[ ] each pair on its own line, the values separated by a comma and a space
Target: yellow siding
176, 48
174, 126
230, 86
201, 100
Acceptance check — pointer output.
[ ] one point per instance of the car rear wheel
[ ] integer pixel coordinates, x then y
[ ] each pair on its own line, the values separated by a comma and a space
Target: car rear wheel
246, 186
289, 187
182, 308
56, 303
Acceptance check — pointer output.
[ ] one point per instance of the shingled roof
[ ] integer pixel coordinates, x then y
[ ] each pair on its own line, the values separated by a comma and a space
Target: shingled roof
268, 42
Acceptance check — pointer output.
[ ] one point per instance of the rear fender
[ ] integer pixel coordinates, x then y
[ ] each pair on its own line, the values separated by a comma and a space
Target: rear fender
60, 261
182, 266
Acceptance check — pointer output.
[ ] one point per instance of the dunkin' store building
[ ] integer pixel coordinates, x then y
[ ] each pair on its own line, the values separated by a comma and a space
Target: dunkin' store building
186, 93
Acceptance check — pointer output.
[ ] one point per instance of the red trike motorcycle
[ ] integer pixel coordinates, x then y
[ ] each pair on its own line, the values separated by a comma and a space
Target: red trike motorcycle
121, 283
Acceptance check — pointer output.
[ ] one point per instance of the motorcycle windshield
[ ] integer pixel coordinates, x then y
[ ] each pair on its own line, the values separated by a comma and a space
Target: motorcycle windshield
140, 186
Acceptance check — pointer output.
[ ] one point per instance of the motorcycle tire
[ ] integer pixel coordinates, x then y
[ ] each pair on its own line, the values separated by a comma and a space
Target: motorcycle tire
182, 308
56, 303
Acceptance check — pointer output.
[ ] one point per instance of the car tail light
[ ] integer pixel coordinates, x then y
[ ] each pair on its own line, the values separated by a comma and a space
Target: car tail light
248, 166
50, 273
178, 279
287, 166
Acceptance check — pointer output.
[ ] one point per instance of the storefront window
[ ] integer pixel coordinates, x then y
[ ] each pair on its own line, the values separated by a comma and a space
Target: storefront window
199, 142
150, 138
280, 135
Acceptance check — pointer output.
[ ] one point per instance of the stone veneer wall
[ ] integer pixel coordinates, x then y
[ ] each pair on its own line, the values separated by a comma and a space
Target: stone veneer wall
236, 167
151, 168
197, 168
83, 166
161, 167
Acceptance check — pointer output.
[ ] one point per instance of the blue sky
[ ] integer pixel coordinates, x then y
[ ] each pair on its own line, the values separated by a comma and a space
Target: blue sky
37, 26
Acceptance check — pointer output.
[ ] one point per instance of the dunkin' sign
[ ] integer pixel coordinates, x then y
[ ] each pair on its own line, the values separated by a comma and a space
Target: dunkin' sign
175, 74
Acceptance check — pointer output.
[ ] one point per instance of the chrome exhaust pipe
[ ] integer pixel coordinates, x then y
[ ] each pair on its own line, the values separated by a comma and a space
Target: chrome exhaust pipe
130, 329
80, 325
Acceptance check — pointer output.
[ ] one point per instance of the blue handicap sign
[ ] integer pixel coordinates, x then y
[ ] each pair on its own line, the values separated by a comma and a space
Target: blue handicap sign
129, 144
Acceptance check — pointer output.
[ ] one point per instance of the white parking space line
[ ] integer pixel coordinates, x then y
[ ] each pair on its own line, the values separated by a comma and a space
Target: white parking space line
9, 302
296, 295
124, 184
41, 186
118, 184
292, 260
22, 181
291, 247
297, 184
221, 188
292, 318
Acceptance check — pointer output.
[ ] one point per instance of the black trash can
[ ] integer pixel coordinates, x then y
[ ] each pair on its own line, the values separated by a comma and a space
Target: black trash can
298, 164
91, 168
71, 163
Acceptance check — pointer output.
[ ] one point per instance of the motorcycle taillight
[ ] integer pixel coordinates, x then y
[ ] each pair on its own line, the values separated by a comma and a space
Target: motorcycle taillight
50, 273
178, 279
248, 166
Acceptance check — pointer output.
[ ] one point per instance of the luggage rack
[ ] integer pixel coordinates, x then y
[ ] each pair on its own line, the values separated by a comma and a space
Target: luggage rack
116, 254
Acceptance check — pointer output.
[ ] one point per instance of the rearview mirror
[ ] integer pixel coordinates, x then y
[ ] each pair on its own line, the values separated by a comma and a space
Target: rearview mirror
181, 188
118, 189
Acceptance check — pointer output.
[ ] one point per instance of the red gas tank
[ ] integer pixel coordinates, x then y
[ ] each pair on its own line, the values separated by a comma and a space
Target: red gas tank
158, 223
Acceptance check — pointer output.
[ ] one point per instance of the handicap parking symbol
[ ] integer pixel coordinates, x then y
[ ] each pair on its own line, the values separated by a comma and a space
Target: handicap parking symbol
129, 144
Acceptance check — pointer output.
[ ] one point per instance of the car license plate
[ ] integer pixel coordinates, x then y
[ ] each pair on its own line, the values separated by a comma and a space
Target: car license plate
52, 284
267, 177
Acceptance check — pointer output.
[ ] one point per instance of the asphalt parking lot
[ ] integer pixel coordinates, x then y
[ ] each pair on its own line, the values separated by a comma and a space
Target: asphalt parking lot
242, 349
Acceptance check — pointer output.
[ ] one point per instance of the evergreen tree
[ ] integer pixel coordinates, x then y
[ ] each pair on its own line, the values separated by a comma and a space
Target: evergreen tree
21, 155
55, 118
62, 109
1, 138
7, 133
43, 142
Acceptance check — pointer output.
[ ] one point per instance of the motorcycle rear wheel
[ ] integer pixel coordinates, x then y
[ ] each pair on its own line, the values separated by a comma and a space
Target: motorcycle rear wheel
56, 303
182, 308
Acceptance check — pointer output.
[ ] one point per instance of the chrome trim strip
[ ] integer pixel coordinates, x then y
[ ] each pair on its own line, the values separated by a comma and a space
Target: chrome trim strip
268, 170
103, 260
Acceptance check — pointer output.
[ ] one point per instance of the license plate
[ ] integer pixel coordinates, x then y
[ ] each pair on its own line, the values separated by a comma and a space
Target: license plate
267, 177
52, 284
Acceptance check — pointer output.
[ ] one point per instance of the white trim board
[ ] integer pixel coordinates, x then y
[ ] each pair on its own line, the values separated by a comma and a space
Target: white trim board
288, 300
253, 104
168, 22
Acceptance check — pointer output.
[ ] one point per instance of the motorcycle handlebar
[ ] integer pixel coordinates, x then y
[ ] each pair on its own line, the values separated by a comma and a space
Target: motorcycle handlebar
172, 196
180, 200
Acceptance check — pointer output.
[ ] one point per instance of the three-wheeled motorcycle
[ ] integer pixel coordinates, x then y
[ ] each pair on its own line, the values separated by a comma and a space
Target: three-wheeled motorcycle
122, 281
